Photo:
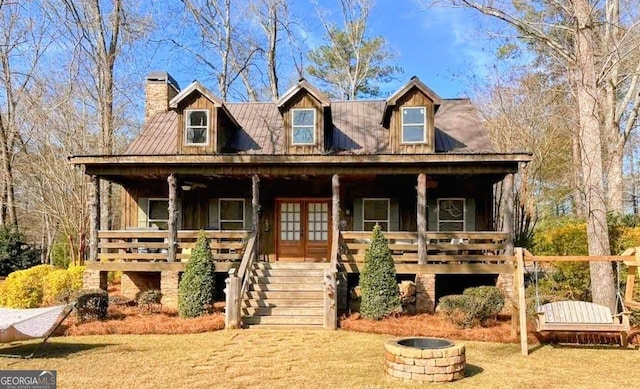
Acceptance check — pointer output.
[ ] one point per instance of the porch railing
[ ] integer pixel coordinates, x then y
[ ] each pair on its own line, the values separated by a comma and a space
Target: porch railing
153, 245
236, 284
442, 247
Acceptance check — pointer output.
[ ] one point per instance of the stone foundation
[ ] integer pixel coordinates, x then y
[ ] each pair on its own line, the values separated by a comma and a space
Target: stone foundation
425, 293
428, 365
169, 282
506, 283
133, 282
94, 279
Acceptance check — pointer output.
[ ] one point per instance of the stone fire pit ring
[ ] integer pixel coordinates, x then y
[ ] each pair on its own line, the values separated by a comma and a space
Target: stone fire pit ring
421, 359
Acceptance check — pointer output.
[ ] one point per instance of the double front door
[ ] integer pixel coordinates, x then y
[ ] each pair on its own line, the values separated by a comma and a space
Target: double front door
304, 231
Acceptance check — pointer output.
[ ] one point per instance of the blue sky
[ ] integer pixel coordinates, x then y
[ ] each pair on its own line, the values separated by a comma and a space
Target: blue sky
442, 46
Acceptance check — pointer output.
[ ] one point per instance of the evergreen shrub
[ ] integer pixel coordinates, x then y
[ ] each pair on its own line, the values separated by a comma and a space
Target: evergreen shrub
15, 254
474, 307
149, 301
197, 286
378, 285
92, 304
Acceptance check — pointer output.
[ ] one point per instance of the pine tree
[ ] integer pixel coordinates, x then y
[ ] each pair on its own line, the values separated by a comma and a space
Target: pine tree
380, 293
197, 286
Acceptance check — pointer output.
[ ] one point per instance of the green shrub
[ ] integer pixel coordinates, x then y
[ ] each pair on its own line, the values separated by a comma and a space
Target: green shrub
197, 285
15, 254
380, 293
61, 254
24, 288
92, 304
474, 307
149, 300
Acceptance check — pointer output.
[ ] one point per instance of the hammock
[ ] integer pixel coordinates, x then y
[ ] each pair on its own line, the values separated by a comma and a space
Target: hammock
23, 324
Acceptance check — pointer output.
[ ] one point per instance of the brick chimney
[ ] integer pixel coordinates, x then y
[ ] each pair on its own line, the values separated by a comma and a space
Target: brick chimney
160, 89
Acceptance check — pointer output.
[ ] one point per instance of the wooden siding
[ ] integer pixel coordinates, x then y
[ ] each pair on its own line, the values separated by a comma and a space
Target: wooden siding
197, 101
414, 98
304, 100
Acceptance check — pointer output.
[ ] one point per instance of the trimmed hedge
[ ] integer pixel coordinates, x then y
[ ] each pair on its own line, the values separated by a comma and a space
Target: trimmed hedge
474, 307
149, 301
380, 293
24, 288
197, 286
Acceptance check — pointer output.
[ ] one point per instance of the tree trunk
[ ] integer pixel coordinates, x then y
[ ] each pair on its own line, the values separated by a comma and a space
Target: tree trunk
584, 80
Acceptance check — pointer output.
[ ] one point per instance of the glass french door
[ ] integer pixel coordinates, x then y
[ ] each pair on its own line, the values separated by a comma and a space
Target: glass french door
303, 229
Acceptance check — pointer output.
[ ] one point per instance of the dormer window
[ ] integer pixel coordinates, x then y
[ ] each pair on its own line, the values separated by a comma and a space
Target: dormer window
414, 126
196, 130
303, 126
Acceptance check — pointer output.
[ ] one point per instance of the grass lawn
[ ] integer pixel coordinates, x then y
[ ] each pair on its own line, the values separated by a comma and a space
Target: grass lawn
306, 359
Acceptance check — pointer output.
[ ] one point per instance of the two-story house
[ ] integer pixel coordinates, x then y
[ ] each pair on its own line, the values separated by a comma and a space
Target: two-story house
294, 176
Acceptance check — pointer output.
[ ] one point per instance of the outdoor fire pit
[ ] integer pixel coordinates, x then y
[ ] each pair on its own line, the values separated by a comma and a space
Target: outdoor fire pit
424, 359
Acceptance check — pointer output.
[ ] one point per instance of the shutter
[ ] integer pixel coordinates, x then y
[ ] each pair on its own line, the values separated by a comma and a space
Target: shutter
394, 217
357, 214
213, 214
470, 214
432, 215
248, 215
143, 205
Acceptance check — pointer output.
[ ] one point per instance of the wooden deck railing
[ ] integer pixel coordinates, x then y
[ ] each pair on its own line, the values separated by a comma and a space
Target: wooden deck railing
152, 245
442, 247
236, 284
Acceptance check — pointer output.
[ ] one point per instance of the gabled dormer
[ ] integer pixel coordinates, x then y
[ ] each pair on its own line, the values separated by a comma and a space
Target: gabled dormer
409, 115
204, 123
306, 118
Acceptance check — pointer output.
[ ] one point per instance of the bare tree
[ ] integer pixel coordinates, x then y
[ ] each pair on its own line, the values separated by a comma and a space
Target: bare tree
22, 44
570, 35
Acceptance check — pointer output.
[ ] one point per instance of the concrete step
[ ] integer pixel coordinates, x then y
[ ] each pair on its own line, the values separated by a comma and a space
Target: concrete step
287, 273
284, 294
285, 303
283, 311
291, 265
283, 320
287, 287
286, 280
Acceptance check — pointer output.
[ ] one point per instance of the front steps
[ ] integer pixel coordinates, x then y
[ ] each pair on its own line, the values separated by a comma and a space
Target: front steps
285, 295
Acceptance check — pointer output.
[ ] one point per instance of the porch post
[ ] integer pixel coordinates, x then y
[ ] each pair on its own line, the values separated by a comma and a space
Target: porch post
335, 203
422, 218
507, 224
255, 206
95, 218
173, 218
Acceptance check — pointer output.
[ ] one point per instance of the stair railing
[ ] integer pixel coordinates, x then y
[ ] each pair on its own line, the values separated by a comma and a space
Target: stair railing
236, 285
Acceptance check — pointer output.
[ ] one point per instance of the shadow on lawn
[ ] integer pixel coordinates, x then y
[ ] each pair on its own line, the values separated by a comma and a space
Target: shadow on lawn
472, 370
51, 349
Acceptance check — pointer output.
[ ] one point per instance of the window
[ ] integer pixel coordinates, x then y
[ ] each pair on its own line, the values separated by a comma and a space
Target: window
375, 211
451, 214
303, 125
158, 212
414, 124
196, 129
231, 214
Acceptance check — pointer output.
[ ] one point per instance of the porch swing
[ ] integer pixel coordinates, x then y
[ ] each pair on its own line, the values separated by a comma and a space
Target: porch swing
581, 316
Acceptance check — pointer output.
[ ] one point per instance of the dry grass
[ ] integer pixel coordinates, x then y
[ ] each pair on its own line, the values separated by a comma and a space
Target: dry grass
307, 359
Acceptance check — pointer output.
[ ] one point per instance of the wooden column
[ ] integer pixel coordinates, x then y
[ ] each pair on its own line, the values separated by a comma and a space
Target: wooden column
507, 225
173, 219
255, 206
422, 218
94, 227
335, 203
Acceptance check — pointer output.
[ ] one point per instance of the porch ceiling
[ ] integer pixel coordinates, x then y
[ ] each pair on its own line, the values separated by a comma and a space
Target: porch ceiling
123, 167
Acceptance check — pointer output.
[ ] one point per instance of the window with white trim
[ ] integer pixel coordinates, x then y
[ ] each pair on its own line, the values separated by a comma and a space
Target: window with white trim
196, 129
231, 214
414, 124
303, 126
375, 211
451, 214
158, 213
